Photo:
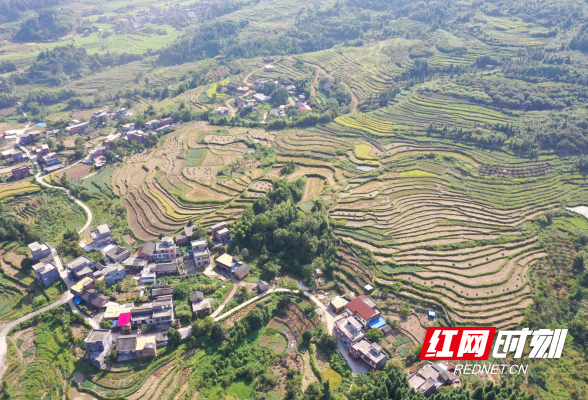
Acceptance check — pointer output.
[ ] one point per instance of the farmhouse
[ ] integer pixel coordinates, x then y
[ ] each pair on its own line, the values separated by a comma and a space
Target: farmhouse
241, 271
262, 286
94, 299
363, 309
80, 267
47, 273
50, 159
21, 172
147, 276
117, 253
98, 345
349, 330
166, 249
114, 273
162, 291
222, 111
151, 125
101, 236
146, 346
170, 268
432, 376
128, 127
137, 136
338, 303
200, 252
81, 286
220, 232
369, 353
41, 150
262, 98
269, 68
77, 129
147, 251
125, 347
231, 87
17, 157
40, 252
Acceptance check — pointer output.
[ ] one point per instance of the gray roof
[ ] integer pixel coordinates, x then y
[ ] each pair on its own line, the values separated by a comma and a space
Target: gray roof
148, 248
262, 285
166, 267
201, 305
78, 262
126, 343
242, 270
196, 296
162, 291
97, 335
110, 268
115, 251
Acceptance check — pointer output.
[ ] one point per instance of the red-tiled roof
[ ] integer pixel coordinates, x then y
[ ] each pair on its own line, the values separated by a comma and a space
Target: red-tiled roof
359, 307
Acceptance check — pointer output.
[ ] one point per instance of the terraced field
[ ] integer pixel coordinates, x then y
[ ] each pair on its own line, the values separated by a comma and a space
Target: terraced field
463, 244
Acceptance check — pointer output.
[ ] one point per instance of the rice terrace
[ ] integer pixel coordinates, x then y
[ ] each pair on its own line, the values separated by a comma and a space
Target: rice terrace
278, 200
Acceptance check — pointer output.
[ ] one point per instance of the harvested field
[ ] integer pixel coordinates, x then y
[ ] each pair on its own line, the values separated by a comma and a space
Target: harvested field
75, 172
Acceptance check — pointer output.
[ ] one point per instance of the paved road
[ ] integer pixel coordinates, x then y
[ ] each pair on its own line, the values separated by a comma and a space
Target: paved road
6, 328
40, 180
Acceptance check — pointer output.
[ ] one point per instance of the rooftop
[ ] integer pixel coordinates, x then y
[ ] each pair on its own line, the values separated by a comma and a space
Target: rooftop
373, 351
78, 287
97, 335
362, 306
79, 262
225, 259
201, 305
126, 343
351, 328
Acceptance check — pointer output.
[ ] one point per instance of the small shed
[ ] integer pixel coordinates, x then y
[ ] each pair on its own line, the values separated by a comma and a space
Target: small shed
431, 315
368, 288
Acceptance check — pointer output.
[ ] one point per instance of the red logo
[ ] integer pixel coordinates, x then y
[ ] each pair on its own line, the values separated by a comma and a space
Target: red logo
457, 343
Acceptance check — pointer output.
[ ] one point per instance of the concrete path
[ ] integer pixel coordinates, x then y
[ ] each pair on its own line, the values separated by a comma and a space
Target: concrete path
40, 180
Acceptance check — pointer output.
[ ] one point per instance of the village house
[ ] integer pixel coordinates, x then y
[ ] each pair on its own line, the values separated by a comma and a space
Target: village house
123, 323
98, 344
94, 300
47, 273
262, 98
128, 127
114, 273
117, 253
242, 271
77, 129
269, 68
222, 111
17, 157
50, 159
125, 347
53, 168
80, 268
262, 286
165, 249
136, 264
163, 269
137, 136
147, 276
370, 353
242, 90
80, 287
278, 112
202, 307
151, 125
349, 330
163, 312
114, 310
231, 87
42, 150
21, 172
29, 137
162, 129
220, 233
338, 304
41, 251
161, 339
260, 83
182, 240
162, 291
146, 346
364, 310
328, 86
166, 121
432, 376
146, 251
200, 252
101, 236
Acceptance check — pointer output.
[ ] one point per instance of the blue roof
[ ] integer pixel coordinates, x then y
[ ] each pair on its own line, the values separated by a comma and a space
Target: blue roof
114, 323
378, 323
41, 124
78, 300
431, 313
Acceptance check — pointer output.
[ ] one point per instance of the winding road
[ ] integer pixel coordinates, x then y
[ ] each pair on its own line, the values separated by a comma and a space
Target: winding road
66, 297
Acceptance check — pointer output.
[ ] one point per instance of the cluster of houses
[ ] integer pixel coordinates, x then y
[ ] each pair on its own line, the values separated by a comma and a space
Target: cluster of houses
174, 14
361, 316
127, 347
45, 269
432, 376
244, 98
104, 115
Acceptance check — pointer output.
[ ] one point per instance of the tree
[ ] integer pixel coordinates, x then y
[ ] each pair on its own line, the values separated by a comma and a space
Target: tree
374, 335
307, 335
218, 332
174, 337
327, 342
270, 270
280, 96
